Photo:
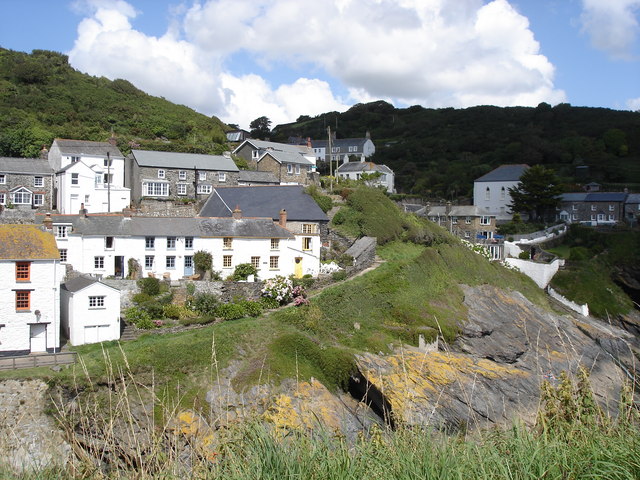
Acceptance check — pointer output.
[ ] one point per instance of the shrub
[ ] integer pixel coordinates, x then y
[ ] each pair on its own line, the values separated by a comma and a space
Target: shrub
279, 288
579, 253
204, 303
153, 308
140, 298
345, 260
178, 312
243, 270
197, 320
149, 285
339, 276
251, 308
230, 311
191, 288
324, 202
306, 281
202, 261
269, 303
524, 255
139, 317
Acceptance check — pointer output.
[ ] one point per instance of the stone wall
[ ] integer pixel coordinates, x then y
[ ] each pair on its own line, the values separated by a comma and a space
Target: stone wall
363, 252
17, 215
168, 208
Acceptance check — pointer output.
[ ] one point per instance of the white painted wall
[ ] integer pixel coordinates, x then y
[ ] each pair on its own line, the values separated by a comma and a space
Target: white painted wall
77, 316
541, 273
497, 202
576, 307
45, 278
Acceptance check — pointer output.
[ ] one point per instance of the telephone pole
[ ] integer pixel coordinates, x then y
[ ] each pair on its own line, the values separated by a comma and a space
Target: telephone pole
329, 149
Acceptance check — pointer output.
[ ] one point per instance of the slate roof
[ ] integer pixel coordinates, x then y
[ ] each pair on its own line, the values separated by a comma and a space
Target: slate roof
456, 211
341, 142
27, 242
504, 173
281, 147
594, 197
257, 177
633, 198
82, 282
84, 147
25, 166
150, 158
573, 197
264, 201
363, 167
203, 227
286, 157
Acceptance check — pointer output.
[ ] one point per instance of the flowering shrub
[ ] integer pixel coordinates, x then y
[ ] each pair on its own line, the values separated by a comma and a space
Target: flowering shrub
330, 267
158, 323
477, 248
278, 288
299, 296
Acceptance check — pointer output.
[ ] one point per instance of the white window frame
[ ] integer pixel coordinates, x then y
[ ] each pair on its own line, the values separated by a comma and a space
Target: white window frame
3, 179
148, 262
96, 301
222, 177
19, 196
64, 255
171, 243
188, 243
155, 189
62, 231
3, 198
38, 199
38, 181
182, 175
98, 262
485, 220
149, 243
289, 168
297, 169
204, 189
181, 189
612, 208
75, 179
162, 173
202, 176
170, 262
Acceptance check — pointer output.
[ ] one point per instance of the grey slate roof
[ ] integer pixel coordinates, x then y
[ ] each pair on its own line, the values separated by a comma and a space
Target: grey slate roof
363, 167
80, 283
25, 166
286, 157
257, 177
633, 198
340, 142
281, 147
264, 201
504, 173
85, 147
120, 226
606, 197
150, 158
456, 211
573, 197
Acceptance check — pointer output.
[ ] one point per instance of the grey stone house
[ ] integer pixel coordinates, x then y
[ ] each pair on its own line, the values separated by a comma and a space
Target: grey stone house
26, 183
598, 208
176, 176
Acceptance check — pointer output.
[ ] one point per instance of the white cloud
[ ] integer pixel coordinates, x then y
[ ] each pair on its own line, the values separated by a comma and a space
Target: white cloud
612, 25
634, 104
430, 52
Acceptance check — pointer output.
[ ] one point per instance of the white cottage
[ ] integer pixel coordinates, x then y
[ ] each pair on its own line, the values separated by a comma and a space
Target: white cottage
29, 298
491, 191
89, 173
89, 311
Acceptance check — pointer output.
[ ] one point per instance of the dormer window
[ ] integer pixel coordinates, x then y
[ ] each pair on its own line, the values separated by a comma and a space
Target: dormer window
74, 159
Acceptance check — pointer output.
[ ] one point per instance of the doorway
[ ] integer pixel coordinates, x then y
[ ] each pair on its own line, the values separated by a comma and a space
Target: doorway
297, 272
38, 337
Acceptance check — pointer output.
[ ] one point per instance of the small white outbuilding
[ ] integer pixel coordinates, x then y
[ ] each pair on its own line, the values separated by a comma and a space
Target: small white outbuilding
89, 311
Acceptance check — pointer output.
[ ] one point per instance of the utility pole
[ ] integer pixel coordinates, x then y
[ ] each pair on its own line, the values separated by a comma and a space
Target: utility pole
330, 161
108, 183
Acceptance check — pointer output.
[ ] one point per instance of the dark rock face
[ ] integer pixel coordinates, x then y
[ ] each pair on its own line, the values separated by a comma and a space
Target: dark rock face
493, 371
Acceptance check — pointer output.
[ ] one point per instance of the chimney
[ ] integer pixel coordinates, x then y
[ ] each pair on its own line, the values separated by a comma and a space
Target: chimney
447, 209
83, 211
48, 222
113, 140
237, 213
368, 134
226, 154
309, 142
127, 212
44, 153
283, 218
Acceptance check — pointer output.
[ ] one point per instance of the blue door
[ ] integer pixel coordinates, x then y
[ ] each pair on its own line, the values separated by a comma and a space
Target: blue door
188, 265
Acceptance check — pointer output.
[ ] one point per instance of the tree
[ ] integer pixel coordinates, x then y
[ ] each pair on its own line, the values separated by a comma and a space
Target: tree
537, 193
260, 127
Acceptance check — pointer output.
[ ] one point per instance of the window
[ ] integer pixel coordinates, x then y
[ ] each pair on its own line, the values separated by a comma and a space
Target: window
3, 199
467, 220
222, 177
170, 262
612, 218
255, 262
3, 179
63, 255
149, 243
97, 179
74, 159
148, 262
188, 243
593, 208
155, 189
487, 194
593, 218
23, 271
308, 228
574, 207
23, 299
38, 199
574, 217
204, 189
289, 168
182, 175
108, 243
275, 243
86, 199
226, 261
161, 173
108, 162
182, 188
202, 176
467, 234
96, 302
503, 193
454, 220
255, 154
227, 243
98, 263
107, 178
21, 197
484, 220
306, 243
297, 169
171, 243
611, 208
273, 263
75, 179
38, 182
62, 231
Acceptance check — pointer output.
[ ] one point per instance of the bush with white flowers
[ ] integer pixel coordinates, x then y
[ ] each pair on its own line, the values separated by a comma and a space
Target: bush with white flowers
278, 288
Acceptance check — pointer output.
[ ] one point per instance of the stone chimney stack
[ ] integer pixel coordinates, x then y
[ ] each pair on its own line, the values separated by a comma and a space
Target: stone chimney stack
83, 211
283, 218
127, 212
237, 213
447, 209
113, 140
309, 142
44, 153
48, 222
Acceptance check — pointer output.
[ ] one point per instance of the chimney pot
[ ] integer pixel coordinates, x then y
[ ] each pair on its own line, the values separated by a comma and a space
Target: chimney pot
283, 218
237, 213
48, 222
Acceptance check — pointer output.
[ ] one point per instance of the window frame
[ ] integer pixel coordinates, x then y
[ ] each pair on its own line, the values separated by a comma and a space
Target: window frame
148, 262
3, 179
149, 243
64, 255
23, 271
38, 181
98, 262
275, 244
182, 175
181, 188
170, 262
162, 173
38, 199
222, 177
255, 262
155, 189
274, 262
306, 243
96, 301
21, 297
188, 243
75, 179
227, 243
171, 243
227, 261
203, 189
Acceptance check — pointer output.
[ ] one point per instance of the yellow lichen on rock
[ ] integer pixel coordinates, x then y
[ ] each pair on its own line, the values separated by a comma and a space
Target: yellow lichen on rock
197, 431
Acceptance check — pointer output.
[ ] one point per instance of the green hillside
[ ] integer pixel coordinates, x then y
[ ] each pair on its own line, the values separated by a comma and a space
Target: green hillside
439, 152
42, 97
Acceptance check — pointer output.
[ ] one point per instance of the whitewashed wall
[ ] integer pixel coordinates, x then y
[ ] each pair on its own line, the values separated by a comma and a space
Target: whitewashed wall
541, 273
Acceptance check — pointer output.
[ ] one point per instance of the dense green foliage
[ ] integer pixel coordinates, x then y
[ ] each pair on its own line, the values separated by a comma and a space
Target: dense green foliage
439, 152
537, 193
594, 261
323, 201
42, 97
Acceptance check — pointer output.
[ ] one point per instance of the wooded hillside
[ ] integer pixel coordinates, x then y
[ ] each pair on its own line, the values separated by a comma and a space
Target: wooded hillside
42, 97
439, 152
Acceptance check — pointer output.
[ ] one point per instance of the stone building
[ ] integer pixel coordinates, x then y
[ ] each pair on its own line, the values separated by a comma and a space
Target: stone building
26, 183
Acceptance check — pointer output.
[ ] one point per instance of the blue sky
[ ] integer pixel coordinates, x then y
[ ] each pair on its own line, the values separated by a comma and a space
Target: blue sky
240, 59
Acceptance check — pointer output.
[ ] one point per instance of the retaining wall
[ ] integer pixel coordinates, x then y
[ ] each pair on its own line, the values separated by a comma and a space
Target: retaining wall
576, 307
541, 273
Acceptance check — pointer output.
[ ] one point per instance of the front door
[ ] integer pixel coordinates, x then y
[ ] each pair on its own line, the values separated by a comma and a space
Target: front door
118, 266
38, 336
298, 268
188, 265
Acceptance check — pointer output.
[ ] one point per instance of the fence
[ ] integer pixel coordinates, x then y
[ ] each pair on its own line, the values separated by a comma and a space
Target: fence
37, 360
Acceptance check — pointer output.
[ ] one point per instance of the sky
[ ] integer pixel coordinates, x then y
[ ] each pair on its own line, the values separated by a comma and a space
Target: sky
242, 59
